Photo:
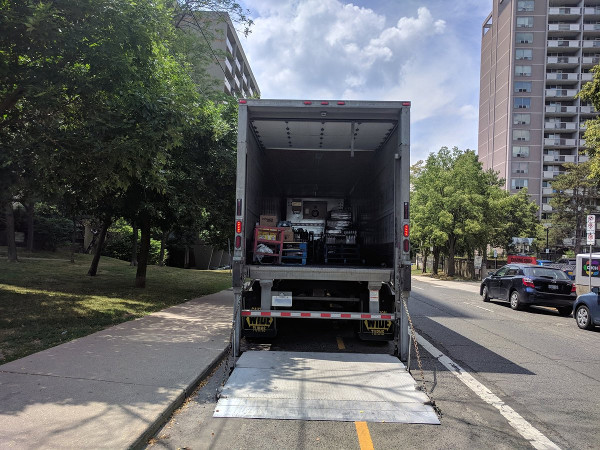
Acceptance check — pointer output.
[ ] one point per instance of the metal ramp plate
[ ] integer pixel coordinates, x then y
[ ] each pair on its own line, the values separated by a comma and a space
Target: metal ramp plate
323, 386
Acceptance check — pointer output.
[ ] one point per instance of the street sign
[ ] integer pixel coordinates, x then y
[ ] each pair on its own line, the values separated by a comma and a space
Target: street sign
477, 262
591, 229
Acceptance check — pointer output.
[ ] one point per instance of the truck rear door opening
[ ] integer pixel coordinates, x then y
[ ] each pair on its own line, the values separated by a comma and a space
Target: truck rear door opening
322, 214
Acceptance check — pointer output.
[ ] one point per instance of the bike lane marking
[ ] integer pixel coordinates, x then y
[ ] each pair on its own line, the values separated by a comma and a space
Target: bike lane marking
522, 426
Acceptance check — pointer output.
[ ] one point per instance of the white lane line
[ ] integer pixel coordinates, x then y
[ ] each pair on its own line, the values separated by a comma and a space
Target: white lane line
421, 289
524, 428
477, 306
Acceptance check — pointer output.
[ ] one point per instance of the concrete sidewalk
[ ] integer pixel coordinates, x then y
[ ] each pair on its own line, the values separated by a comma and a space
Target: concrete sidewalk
113, 388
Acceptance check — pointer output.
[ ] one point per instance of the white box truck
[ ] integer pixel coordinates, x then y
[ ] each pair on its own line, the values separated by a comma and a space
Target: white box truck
322, 216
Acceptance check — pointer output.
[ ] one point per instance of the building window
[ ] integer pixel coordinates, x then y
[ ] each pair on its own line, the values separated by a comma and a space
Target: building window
525, 5
518, 183
524, 22
524, 53
521, 119
522, 103
523, 71
524, 38
520, 151
520, 167
522, 86
521, 135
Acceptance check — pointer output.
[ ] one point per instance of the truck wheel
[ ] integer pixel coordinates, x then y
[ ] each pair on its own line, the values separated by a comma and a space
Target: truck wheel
515, 301
484, 294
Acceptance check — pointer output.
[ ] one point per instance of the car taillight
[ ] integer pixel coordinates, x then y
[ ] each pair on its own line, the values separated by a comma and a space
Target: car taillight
573, 288
528, 282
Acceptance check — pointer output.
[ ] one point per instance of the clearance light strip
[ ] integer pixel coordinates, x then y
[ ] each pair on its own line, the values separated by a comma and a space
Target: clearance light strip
316, 315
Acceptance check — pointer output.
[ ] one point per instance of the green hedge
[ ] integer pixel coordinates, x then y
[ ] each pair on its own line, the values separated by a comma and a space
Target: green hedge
118, 243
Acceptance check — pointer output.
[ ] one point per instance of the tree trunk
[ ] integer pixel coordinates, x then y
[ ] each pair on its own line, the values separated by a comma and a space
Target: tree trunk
451, 243
186, 257
436, 260
163, 243
425, 256
10, 231
134, 245
73, 241
140, 276
30, 215
99, 244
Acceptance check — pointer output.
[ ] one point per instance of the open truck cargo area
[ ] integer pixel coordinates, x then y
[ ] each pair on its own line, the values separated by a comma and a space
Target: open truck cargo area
322, 216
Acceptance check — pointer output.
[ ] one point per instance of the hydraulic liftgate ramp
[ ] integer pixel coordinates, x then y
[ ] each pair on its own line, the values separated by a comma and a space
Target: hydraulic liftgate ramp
323, 386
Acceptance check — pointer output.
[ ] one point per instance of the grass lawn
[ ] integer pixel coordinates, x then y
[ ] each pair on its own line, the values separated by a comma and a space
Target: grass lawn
45, 300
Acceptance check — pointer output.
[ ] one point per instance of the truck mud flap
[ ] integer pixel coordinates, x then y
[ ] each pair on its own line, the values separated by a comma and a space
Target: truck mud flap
259, 327
376, 330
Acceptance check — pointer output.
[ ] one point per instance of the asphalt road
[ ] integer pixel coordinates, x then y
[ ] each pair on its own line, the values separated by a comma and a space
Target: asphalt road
539, 364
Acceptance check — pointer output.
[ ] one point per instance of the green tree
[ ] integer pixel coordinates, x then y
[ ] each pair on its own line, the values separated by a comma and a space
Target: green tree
457, 207
575, 196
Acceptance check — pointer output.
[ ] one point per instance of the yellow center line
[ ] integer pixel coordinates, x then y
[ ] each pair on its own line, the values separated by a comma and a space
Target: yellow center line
340, 343
364, 437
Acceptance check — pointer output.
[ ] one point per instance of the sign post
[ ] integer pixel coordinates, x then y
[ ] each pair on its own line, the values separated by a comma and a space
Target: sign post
591, 240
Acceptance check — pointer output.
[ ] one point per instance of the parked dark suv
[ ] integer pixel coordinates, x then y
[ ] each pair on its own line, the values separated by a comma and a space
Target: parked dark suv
527, 284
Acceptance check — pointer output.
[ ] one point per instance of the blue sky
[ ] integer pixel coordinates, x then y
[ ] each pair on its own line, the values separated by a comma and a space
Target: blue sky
424, 51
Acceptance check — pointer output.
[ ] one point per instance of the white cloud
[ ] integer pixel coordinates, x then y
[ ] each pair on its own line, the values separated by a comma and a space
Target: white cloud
331, 49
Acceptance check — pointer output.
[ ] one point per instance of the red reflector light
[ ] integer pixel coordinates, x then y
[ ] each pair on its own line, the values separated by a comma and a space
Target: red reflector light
405, 230
405, 103
406, 245
341, 103
573, 288
324, 103
528, 282
243, 102
238, 226
308, 103
238, 241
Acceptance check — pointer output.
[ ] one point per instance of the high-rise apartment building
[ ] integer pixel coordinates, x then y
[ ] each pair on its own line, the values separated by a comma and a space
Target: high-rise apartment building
228, 68
535, 56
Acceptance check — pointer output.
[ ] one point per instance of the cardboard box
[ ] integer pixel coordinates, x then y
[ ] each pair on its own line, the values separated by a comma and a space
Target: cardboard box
268, 220
288, 235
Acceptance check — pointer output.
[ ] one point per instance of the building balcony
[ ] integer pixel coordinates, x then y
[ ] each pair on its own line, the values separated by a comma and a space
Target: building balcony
582, 143
562, 110
227, 86
590, 60
547, 191
561, 93
591, 27
583, 158
229, 67
587, 110
546, 207
229, 45
563, 27
569, 45
548, 174
562, 61
590, 44
562, 76
587, 76
591, 12
238, 65
559, 142
564, 11
567, 126
559, 159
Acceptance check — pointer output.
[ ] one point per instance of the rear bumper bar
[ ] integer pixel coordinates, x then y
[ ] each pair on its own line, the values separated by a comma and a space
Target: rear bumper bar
317, 315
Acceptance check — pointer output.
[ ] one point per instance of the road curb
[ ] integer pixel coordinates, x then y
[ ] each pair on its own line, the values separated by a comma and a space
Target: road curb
142, 441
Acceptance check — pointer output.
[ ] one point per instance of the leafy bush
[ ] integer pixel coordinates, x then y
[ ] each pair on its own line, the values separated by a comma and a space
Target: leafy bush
52, 232
118, 243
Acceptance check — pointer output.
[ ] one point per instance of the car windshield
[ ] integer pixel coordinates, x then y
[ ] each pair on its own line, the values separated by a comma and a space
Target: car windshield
546, 272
